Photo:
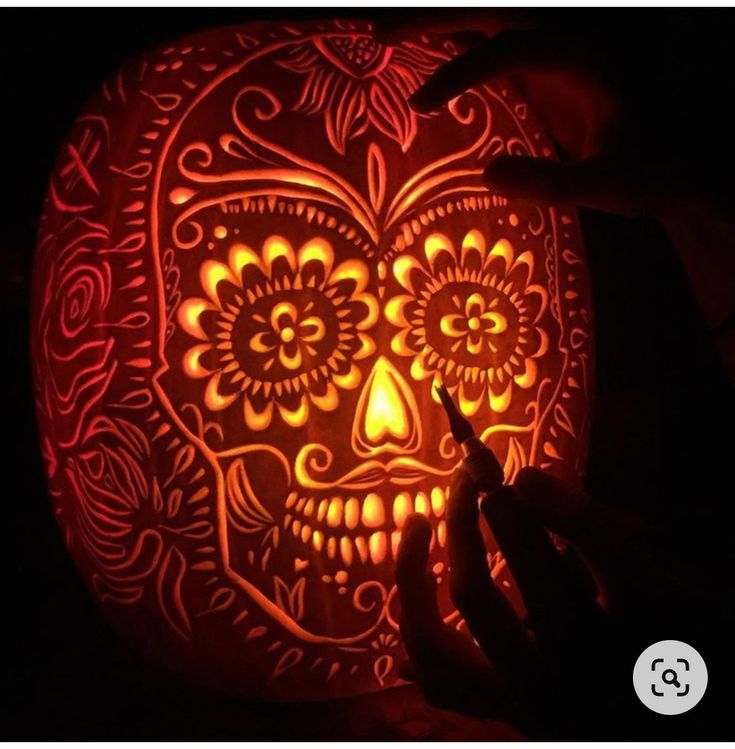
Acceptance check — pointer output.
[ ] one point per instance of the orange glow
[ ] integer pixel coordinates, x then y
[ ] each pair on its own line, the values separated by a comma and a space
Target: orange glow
256, 262
378, 547
373, 514
387, 417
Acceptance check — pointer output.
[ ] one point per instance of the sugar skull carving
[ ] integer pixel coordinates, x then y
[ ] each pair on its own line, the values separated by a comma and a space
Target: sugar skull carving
255, 261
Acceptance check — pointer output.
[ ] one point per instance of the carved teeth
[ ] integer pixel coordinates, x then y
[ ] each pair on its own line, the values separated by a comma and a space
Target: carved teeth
331, 547
352, 513
441, 533
401, 508
378, 546
334, 513
422, 504
362, 548
345, 547
373, 513
438, 501
317, 540
395, 540
322, 511
369, 513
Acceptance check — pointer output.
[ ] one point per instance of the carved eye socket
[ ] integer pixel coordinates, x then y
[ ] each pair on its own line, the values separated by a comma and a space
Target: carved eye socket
279, 326
470, 318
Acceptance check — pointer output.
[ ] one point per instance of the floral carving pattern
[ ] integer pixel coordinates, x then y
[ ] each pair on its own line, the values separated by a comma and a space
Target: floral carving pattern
493, 340
284, 323
236, 338
354, 82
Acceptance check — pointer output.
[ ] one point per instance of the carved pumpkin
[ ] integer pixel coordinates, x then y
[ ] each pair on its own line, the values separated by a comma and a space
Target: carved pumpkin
254, 261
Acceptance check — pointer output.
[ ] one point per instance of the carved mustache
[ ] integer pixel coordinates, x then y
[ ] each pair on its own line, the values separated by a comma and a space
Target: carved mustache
315, 458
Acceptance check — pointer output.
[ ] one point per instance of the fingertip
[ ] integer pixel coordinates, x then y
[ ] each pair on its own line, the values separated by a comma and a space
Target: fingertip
424, 100
532, 178
416, 531
535, 486
413, 550
502, 174
530, 478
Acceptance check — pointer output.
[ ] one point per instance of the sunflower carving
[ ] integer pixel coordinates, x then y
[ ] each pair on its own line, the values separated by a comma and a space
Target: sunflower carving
355, 83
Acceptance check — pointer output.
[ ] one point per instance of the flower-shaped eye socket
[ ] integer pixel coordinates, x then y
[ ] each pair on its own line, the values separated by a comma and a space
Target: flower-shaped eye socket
470, 318
288, 334
474, 324
279, 327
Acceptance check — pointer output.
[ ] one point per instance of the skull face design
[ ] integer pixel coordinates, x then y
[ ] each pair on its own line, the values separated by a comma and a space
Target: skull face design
323, 257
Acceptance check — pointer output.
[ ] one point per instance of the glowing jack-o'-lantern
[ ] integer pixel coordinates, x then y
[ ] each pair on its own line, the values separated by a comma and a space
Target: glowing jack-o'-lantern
254, 261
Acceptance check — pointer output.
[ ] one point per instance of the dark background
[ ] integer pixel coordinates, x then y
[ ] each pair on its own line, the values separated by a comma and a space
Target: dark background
662, 440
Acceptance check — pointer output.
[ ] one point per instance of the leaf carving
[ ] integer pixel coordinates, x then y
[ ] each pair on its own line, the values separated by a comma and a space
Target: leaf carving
288, 660
247, 512
562, 419
515, 460
376, 174
382, 667
291, 601
168, 591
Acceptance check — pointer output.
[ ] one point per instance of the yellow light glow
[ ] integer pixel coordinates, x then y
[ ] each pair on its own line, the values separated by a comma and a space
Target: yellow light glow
296, 418
317, 249
422, 503
352, 512
334, 513
402, 508
275, 247
378, 545
436, 243
257, 421
192, 366
241, 256
327, 402
437, 501
373, 514
210, 275
189, 313
387, 415
213, 399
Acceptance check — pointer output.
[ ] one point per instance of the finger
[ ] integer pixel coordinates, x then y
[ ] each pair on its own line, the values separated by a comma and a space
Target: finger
488, 613
593, 183
551, 595
581, 573
416, 588
510, 51
558, 506
609, 541
451, 669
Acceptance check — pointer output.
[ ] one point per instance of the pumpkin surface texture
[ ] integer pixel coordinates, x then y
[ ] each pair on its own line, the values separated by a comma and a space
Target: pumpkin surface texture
254, 263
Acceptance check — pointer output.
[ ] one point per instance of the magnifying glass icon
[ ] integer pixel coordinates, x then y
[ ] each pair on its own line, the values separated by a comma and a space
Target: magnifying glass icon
669, 676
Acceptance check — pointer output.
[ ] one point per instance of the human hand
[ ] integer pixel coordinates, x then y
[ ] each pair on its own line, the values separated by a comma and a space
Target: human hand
565, 670
608, 90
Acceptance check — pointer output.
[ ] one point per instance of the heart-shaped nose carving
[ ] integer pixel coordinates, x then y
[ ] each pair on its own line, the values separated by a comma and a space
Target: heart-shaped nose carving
387, 416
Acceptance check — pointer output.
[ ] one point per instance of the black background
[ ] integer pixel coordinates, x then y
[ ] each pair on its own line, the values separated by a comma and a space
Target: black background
661, 444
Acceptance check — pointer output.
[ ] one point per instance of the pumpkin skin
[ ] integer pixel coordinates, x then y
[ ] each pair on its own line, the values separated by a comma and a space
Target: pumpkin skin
254, 262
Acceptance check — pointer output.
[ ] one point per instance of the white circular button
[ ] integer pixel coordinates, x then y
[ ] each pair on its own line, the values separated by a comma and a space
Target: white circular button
670, 677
